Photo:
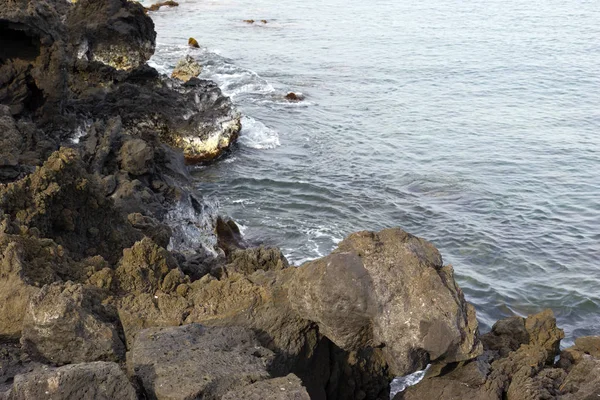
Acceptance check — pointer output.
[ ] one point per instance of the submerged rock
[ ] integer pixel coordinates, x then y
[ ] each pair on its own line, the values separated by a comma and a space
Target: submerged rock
291, 96
186, 69
157, 6
97, 380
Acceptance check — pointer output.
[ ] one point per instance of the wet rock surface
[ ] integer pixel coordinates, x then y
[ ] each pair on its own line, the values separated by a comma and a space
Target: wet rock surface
186, 69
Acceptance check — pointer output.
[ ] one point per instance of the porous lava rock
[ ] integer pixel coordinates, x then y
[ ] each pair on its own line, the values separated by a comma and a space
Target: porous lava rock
97, 380
67, 323
194, 361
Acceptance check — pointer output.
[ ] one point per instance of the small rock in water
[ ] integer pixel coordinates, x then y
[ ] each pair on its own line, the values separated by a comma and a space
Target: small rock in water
186, 69
157, 6
193, 43
264, 21
291, 96
249, 21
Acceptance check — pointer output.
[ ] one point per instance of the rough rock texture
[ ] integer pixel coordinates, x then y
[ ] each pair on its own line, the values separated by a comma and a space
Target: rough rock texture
33, 59
67, 323
517, 364
98, 380
194, 361
66, 204
186, 69
193, 116
285, 388
114, 32
388, 289
13, 362
28, 262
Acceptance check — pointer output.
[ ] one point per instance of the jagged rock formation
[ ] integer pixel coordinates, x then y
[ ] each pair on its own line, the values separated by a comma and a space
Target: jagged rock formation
518, 363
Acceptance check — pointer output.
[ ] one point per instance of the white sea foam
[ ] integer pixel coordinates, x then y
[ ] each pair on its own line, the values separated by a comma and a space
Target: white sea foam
257, 135
400, 384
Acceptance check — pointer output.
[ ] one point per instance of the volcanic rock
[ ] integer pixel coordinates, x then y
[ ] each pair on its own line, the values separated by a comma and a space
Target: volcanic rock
389, 290
186, 69
136, 157
64, 203
67, 323
97, 380
33, 60
517, 364
286, 388
116, 33
194, 361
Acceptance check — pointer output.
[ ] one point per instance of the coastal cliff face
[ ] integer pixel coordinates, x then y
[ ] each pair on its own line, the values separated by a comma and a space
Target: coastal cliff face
108, 289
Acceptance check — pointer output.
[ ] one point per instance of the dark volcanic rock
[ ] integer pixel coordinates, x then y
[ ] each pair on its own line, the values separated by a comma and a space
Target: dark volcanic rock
67, 323
193, 116
117, 33
33, 59
98, 381
136, 157
194, 361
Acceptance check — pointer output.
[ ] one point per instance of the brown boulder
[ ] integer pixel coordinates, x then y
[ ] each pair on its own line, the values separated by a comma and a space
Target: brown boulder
67, 323
390, 290
286, 388
516, 365
97, 380
194, 361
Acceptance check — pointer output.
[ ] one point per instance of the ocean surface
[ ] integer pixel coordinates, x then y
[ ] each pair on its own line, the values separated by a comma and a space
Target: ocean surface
473, 124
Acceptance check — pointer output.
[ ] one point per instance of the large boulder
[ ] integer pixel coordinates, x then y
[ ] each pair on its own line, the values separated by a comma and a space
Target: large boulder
390, 290
194, 361
97, 380
67, 323
117, 33
27, 263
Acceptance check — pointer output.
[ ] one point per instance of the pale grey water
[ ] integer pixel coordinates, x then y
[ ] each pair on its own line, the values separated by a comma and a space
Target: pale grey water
474, 124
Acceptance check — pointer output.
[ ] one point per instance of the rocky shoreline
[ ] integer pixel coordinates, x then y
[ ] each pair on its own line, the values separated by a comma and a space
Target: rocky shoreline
110, 287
